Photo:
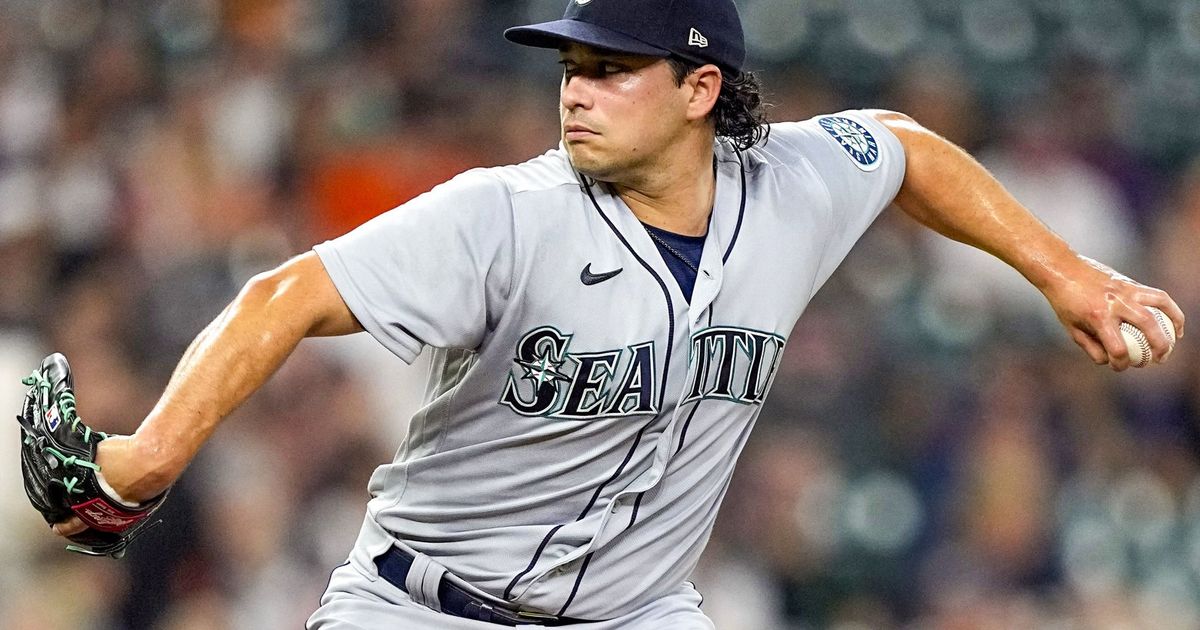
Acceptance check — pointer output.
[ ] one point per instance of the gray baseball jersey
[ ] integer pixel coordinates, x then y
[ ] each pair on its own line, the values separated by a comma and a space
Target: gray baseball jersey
582, 419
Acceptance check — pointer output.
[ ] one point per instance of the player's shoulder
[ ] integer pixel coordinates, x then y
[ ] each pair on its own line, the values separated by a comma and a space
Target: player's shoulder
821, 129
545, 172
855, 134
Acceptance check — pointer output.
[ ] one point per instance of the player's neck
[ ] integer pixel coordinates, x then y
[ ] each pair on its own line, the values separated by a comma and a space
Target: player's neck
676, 197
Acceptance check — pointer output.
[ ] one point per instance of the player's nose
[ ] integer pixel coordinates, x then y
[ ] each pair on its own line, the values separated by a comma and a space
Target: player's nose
575, 92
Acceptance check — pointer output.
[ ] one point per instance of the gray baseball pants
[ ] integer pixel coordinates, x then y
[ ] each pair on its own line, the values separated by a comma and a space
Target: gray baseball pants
354, 602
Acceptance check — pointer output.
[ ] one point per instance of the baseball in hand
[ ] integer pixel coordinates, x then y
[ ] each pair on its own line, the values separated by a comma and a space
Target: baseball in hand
1139, 346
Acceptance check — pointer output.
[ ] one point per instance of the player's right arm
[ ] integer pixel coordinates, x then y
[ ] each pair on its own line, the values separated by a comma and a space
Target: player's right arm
948, 191
229, 360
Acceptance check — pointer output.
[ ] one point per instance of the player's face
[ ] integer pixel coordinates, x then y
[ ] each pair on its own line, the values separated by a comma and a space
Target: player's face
618, 111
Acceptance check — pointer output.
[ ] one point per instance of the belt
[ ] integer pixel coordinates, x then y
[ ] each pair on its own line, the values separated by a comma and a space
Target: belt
395, 564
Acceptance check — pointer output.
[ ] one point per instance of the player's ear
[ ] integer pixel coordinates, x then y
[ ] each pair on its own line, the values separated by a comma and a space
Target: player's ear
705, 83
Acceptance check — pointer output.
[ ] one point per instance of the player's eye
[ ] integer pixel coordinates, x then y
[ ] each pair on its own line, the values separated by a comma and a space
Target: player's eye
600, 70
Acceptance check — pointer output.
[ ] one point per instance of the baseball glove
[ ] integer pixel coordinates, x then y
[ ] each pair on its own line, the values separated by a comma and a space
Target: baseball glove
58, 461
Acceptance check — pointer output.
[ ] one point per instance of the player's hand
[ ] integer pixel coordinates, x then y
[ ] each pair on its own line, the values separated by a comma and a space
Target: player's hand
110, 455
1092, 300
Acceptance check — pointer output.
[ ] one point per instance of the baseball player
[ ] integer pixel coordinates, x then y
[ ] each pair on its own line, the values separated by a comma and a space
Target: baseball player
605, 322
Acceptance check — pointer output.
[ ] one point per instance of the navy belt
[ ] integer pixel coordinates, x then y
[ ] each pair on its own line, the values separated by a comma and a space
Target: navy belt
395, 564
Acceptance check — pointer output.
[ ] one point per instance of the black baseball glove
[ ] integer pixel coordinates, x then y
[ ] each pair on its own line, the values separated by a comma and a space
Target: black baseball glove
58, 460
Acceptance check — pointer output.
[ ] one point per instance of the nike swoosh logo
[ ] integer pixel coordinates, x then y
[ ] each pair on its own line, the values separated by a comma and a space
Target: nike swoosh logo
587, 277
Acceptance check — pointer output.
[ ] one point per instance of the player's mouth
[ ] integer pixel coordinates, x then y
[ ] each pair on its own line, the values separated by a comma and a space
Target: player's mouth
576, 131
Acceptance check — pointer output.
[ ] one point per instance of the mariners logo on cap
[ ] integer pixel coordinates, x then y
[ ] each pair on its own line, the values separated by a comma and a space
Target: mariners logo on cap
858, 143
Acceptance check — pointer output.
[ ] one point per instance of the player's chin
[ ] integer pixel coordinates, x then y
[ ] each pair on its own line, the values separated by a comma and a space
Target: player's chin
592, 162
586, 162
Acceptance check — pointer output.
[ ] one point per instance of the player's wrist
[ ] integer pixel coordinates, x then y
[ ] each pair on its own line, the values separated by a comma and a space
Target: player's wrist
1054, 271
132, 472
116, 496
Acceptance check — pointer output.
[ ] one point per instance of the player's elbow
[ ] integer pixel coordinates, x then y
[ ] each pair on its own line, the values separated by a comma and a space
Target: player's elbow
268, 288
298, 295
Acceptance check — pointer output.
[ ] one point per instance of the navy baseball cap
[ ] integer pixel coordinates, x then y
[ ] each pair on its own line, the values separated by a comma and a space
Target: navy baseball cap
701, 31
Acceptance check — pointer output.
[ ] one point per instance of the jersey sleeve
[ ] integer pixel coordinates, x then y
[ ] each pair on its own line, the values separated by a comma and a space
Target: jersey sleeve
859, 161
434, 271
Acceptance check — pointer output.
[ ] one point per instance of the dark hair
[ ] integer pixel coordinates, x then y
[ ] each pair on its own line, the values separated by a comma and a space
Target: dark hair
740, 112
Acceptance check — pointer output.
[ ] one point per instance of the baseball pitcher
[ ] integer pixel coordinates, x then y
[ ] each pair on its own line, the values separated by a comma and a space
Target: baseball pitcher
605, 322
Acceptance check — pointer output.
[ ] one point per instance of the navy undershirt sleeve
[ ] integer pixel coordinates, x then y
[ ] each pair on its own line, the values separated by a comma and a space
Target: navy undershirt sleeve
688, 247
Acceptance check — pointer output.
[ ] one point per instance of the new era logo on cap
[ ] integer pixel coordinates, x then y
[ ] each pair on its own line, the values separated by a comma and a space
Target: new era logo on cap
696, 39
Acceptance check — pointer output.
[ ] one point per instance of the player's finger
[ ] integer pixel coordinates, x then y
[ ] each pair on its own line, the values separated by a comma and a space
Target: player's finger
1160, 300
1114, 346
1090, 346
1144, 320
69, 527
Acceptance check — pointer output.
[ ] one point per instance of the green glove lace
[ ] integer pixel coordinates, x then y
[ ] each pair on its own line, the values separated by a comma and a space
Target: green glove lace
66, 408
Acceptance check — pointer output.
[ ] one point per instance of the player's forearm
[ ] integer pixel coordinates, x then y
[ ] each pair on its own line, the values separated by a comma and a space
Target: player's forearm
947, 190
231, 358
227, 362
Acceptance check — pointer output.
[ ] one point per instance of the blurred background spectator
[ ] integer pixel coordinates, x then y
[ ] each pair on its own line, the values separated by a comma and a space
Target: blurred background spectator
959, 465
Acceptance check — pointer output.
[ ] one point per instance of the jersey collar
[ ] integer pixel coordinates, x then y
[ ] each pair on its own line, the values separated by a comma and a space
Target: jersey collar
724, 224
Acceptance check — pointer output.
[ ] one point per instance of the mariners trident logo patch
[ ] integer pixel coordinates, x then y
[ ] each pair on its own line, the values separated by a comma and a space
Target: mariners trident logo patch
854, 138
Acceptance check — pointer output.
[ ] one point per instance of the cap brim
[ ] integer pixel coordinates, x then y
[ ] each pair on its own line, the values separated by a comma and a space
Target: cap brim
554, 34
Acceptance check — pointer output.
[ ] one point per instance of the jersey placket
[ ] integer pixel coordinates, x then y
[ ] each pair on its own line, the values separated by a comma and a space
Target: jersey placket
723, 226
728, 208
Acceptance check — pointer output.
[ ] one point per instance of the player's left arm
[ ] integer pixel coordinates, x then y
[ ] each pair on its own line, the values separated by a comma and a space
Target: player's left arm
945, 189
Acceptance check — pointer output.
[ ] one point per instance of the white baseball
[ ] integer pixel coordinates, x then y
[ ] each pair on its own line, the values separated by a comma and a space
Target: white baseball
1139, 346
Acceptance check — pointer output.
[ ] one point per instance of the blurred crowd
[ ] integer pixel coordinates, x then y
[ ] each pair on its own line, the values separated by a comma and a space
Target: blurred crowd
935, 453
